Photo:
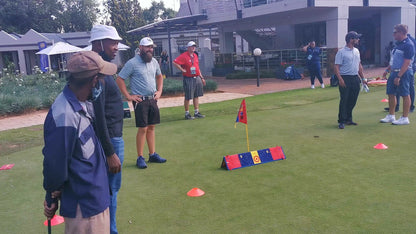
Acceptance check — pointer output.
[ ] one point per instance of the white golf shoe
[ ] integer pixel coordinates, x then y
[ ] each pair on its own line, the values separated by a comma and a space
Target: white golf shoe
388, 119
401, 121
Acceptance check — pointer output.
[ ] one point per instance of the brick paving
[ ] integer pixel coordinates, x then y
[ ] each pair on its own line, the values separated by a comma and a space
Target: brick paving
227, 90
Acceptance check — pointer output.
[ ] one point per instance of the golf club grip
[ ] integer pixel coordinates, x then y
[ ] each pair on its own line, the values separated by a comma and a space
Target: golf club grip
49, 201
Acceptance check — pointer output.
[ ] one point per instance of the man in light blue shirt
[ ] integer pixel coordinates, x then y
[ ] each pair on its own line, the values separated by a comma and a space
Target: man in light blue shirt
146, 83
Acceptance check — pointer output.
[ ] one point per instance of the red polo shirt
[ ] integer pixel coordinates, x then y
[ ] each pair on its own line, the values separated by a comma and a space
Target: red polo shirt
186, 62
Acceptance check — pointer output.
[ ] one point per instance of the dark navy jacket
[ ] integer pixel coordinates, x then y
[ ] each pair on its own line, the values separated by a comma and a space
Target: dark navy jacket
109, 114
74, 160
313, 54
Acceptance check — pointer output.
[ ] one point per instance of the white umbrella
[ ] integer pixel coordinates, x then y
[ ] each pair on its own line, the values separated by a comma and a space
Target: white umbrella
121, 46
59, 48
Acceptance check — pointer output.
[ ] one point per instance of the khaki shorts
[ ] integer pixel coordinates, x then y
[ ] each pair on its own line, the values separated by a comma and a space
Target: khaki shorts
96, 224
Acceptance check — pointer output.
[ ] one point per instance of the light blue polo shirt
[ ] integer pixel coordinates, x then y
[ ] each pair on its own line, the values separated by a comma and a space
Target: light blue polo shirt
142, 75
348, 61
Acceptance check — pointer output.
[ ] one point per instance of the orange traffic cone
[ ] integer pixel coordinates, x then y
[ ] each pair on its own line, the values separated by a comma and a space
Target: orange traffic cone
55, 220
384, 100
195, 192
380, 146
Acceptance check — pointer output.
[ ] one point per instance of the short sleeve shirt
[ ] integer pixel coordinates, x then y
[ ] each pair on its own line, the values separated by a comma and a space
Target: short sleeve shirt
142, 75
186, 62
313, 54
348, 60
403, 50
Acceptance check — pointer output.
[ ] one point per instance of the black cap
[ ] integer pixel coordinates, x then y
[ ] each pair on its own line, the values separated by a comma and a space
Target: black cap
352, 35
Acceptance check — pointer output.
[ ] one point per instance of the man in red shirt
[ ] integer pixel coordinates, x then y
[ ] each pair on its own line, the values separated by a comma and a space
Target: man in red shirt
193, 81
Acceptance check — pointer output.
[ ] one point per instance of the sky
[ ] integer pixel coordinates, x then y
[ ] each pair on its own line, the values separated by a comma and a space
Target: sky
173, 4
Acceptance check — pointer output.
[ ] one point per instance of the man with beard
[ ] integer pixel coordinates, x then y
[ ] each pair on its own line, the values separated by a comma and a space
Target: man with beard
146, 83
109, 115
349, 72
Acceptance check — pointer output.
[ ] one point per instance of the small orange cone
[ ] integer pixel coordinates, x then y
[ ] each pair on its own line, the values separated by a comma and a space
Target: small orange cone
380, 146
384, 100
55, 220
195, 192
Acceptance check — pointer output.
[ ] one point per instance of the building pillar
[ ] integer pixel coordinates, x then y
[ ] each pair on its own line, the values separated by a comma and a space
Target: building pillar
337, 27
21, 62
1, 64
226, 41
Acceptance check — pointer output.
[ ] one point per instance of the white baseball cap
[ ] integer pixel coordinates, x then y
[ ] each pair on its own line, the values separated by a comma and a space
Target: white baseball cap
147, 41
191, 43
100, 32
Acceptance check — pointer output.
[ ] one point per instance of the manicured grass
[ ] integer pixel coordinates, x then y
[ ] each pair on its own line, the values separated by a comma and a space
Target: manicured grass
333, 181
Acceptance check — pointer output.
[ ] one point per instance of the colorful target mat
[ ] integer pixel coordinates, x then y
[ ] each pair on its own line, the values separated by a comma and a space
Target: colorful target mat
248, 159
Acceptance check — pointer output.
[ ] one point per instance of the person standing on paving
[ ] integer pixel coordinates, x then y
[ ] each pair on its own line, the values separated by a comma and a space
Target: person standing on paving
313, 61
193, 81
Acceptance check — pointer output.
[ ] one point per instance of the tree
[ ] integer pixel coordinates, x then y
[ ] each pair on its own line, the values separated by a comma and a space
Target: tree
21, 15
156, 12
124, 16
47, 15
79, 15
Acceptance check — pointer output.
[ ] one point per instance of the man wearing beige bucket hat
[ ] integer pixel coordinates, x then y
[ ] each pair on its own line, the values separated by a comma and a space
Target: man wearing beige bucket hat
74, 165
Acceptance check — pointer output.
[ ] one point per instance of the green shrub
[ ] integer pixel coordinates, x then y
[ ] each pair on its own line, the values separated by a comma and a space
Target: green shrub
175, 86
250, 75
20, 93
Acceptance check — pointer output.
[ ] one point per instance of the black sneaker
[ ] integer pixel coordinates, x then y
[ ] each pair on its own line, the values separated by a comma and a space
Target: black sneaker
199, 115
341, 126
189, 117
351, 123
395, 110
156, 158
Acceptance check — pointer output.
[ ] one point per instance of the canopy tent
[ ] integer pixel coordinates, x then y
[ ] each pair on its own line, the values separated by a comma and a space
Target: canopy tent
121, 46
58, 48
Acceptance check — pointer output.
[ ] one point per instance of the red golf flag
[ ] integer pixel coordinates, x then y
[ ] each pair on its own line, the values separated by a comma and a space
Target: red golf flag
242, 113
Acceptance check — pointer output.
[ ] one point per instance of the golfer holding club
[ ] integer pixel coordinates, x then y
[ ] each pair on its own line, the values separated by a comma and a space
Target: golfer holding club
74, 165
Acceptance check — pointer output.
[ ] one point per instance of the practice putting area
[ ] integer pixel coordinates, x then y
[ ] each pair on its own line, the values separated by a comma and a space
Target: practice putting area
332, 180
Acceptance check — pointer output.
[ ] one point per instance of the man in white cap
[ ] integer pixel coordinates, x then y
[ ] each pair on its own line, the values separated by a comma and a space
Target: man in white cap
193, 81
74, 165
146, 83
109, 114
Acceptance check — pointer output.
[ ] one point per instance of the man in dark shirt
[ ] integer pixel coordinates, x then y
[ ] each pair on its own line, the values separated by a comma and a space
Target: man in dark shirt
109, 114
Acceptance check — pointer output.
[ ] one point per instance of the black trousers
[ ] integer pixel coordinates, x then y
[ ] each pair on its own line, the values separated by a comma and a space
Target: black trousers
348, 97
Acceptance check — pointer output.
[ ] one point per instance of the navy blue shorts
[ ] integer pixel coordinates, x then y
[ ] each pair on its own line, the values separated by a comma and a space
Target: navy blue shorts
404, 86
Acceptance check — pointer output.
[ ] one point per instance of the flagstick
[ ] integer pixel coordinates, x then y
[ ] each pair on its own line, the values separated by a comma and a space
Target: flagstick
248, 144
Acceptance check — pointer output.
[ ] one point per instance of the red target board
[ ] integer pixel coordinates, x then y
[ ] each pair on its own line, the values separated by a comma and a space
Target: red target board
248, 159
